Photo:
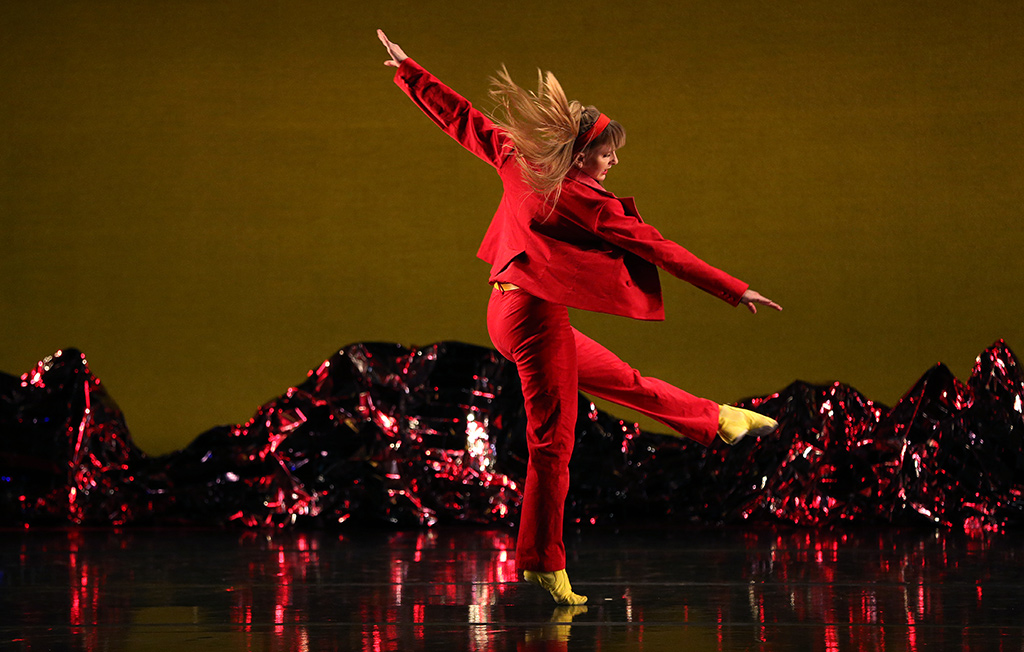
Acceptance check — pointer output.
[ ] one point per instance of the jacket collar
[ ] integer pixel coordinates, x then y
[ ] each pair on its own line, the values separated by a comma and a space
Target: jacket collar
579, 176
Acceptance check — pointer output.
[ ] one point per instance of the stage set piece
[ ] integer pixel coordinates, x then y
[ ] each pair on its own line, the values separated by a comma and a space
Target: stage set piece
413, 437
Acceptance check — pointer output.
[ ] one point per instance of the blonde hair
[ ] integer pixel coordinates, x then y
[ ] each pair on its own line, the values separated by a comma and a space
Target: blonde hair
543, 128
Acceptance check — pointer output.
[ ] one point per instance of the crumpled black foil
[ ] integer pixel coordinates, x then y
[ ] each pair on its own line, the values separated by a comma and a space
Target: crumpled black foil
65, 452
411, 437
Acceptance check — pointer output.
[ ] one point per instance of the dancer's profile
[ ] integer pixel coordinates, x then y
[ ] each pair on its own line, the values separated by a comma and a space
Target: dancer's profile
558, 240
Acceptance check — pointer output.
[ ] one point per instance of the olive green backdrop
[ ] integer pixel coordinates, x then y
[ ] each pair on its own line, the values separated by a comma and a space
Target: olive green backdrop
209, 198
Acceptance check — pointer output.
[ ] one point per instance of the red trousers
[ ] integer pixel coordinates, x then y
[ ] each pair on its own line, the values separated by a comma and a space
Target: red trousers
555, 362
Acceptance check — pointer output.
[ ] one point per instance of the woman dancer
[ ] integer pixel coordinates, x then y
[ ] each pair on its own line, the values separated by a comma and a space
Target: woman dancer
558, 240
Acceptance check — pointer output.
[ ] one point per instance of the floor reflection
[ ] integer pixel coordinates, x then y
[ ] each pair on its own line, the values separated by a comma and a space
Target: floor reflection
455, 589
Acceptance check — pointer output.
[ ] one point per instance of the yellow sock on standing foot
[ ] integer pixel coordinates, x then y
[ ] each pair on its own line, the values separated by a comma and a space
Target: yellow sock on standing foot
736, 423
557, 584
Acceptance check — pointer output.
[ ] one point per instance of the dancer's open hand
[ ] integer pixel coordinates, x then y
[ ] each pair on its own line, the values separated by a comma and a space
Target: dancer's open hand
750, 299
395, 52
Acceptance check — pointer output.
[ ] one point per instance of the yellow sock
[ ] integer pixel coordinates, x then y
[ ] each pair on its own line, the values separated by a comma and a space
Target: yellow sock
735, 423
557, 584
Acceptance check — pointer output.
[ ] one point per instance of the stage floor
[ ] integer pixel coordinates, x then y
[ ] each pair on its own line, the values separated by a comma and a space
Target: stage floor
455, 588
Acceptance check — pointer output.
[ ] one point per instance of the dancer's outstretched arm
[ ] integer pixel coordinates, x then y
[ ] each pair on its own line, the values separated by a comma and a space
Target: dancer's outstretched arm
454, 114
750, 298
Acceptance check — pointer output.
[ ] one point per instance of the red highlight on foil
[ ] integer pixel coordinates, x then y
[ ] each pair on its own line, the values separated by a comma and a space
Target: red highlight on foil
411, 437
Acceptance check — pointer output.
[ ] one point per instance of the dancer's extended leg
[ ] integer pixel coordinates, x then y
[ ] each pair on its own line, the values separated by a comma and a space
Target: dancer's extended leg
604, 375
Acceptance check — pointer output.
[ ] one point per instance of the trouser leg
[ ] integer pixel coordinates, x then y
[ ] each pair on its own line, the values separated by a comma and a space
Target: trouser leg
537, 337
604, 375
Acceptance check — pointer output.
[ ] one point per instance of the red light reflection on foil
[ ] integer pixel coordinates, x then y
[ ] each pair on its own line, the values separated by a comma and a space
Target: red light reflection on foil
413, 437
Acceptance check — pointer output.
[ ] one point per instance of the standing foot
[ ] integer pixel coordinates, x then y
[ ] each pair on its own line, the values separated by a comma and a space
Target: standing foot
557, 584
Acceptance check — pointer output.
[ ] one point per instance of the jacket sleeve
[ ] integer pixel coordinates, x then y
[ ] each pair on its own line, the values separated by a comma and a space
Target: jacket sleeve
452, 113
614, 225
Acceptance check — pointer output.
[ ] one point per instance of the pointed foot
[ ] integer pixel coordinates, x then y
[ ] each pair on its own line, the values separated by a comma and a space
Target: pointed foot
736, 423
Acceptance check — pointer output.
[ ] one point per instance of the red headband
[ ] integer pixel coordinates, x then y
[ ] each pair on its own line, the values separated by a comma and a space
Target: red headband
596, 130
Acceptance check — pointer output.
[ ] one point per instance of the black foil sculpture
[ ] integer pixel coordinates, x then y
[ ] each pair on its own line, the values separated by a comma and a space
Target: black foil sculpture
381, 433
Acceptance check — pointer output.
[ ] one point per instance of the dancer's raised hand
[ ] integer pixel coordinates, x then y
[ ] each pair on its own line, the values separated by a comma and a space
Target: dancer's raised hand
395, 52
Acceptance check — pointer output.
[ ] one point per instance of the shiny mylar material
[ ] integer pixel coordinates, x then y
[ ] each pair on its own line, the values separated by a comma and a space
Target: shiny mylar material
380, 433
65, 453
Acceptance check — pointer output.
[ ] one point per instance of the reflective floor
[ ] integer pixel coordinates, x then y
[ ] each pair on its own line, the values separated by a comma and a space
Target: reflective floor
455, 589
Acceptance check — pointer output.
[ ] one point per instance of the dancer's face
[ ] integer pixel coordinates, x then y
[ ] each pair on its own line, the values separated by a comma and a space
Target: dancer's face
598, 160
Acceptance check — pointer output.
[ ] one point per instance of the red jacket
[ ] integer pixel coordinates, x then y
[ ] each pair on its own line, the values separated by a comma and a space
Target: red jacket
593, 252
